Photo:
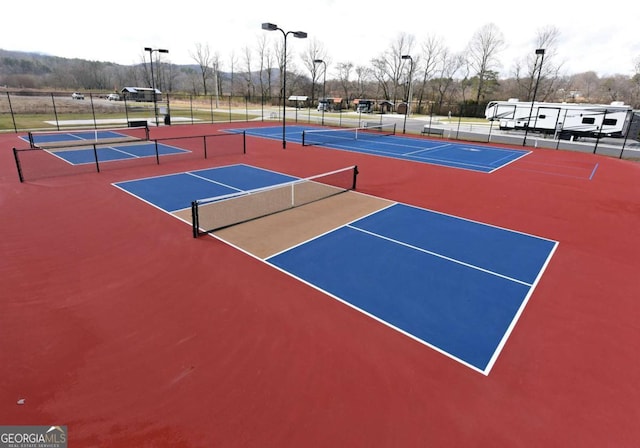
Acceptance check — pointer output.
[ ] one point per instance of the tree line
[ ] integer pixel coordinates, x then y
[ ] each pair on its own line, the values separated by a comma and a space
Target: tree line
428, 73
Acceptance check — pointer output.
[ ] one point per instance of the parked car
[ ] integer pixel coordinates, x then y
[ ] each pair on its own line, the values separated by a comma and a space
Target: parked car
77, 96
113, 97
365, 106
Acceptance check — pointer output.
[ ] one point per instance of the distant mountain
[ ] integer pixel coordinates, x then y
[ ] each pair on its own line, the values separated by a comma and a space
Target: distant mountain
39, 71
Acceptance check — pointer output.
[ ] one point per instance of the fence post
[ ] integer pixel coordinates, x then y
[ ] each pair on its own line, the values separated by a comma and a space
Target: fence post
211, 109
55, 112
13, 117
93, 111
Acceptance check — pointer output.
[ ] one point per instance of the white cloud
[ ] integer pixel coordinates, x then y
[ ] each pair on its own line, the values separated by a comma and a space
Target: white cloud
351, 30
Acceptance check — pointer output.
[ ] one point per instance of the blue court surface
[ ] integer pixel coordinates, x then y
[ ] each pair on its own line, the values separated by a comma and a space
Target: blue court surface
80, 156
455, 285
75, 136
176, 191
480, 158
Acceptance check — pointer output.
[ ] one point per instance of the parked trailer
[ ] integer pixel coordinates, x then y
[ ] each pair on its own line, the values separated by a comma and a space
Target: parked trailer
564, 120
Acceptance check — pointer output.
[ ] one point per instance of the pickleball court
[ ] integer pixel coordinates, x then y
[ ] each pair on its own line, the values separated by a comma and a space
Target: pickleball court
455, 285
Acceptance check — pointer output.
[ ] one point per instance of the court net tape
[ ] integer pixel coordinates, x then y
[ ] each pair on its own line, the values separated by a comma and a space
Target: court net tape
329, 136
208, 215
86, 137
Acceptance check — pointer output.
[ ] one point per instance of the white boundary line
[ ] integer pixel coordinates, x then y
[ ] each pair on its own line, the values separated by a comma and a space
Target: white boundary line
507, 333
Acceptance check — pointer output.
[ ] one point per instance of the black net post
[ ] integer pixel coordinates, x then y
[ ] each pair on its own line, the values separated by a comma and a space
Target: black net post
167, 118
355, 176
244, 142
194, 219
157, 153
204, 139
95, 156
15, 156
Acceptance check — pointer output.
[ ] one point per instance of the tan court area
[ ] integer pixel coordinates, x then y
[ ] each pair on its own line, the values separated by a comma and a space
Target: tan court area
272, 234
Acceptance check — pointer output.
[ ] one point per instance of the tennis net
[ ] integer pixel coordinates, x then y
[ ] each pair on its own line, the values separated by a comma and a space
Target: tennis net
70, 138
208, 215
329, 136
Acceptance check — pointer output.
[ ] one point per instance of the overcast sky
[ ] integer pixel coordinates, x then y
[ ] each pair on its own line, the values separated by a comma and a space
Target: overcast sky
598, 37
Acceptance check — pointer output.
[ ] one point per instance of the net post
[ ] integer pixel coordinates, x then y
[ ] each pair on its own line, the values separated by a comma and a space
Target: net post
355, 176
204, 139
303, 138
147, 134
32, 143
95, 156
244, 142
157, 153
15, 156
195, 224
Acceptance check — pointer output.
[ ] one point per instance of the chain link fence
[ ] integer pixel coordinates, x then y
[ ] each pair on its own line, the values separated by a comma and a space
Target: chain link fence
22, 111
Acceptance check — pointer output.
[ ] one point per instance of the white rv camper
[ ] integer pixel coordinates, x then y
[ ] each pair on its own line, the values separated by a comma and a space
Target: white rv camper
564, 120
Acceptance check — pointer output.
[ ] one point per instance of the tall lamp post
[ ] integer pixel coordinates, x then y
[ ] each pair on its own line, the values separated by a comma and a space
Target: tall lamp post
153, 79
299, 35
408, 111
324, 85
539, 52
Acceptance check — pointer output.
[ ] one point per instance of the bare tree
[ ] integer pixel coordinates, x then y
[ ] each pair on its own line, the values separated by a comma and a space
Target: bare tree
216, 77
164, 73
448, 66
232, 65
278, 49
266, 67
526, 70
614, 88
202, 57
314, 51
168, 75
635, 84
344, 73
192, 81
248, 73
388, 67
482, 55
363, 76
587, 83
291, 68
432, 50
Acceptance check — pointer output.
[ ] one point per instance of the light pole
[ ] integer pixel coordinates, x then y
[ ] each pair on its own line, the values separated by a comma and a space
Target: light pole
539, 52
153, 80
324, 85
300, 35
408, 111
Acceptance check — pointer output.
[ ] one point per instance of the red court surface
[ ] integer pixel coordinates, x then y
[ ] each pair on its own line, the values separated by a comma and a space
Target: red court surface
117, 323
